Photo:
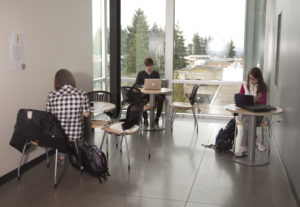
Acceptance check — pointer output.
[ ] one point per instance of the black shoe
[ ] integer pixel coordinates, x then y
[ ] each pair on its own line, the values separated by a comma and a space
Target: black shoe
146, 124
156, 120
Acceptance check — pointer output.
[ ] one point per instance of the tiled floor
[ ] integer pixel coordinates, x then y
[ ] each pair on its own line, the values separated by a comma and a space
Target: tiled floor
181, 172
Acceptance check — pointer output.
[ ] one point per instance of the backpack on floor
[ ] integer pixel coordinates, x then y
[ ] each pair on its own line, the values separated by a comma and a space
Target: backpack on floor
94, 161
225, 137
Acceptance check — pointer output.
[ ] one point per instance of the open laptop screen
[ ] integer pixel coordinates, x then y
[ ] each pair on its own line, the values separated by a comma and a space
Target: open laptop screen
152, 84
243, 100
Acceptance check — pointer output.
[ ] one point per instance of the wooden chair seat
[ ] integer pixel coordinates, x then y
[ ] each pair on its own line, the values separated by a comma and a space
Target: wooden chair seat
146, 107
181, 105
261, 124
116, 128
185, 106
98, 123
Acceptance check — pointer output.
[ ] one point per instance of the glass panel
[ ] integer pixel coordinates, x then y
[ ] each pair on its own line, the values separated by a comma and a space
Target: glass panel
209, 46
142, 36
212, 47
210, 99
100, 43
97, 44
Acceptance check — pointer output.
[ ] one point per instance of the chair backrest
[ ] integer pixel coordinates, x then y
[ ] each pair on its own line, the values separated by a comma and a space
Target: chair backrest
130, 94
41, 127
99, 96
134, 114
192, 98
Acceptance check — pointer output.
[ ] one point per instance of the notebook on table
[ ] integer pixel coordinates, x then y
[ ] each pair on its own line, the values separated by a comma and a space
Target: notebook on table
247, 102
152, 84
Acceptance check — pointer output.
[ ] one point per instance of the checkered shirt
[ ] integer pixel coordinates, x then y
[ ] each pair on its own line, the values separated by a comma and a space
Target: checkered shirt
68, 104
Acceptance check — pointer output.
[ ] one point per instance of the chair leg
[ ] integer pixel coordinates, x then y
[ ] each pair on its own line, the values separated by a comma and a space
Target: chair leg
173, 118
117, 141
21, 160
103, 137
47, 156
262, 135
269, 140
107, 148
78, 156
234, 138
128, 156
121, 142
55, 168
195, 118
148, 146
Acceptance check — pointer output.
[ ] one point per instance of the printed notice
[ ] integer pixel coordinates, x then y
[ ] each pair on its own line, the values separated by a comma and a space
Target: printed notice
17, 51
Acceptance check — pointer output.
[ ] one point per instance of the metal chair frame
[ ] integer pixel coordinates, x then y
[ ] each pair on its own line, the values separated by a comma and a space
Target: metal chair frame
192, 101
264, 123
131, 122
27, 142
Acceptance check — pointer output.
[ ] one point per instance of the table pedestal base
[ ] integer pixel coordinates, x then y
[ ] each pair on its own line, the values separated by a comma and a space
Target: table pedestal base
261, 158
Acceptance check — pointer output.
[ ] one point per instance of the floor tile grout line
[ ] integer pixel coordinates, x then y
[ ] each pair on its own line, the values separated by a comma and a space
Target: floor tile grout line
199, 167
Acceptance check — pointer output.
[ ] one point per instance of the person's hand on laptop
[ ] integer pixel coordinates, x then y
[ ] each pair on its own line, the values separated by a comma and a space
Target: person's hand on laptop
257, 98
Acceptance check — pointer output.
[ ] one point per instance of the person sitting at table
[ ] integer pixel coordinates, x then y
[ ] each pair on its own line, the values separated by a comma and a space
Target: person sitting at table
69, 105
148, 73
255, 86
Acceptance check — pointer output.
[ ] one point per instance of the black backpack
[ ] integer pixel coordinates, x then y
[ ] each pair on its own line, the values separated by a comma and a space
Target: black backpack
94, 161
225, 137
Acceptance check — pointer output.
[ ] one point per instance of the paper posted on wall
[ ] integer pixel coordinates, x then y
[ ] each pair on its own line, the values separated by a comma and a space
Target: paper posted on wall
17, 51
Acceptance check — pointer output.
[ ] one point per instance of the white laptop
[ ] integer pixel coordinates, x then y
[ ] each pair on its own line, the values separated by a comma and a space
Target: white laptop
152, 84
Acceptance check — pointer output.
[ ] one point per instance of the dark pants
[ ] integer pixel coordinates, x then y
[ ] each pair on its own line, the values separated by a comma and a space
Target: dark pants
159, 101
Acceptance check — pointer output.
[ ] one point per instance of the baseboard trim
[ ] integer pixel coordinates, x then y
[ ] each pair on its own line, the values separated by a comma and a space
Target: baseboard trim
293, 189
13, 174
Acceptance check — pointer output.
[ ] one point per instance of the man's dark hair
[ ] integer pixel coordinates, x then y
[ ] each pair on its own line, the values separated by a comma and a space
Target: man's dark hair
148, 61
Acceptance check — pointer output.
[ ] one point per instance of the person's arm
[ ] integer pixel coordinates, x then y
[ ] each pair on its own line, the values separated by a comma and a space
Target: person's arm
139, 79
85, 106
242, 90
48, 104
261, 98
86, 114
156, 74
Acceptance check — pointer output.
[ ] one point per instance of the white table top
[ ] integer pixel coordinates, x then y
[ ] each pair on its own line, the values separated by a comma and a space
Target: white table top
161, 91
235, 109
100, 107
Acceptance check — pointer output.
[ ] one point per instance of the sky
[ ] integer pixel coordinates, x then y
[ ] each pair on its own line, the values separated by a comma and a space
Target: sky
222, 19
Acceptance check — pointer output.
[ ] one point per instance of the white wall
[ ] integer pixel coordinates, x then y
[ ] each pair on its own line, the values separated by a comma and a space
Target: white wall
58, 34
287, 132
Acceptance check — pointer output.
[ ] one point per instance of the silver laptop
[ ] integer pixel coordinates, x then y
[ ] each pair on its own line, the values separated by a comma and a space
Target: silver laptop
152, 84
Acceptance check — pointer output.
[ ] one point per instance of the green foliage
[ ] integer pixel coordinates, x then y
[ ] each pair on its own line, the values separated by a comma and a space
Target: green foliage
124, 49
179, 49
190, 49
178, 90
232, 52
197, 45
156, 48
137, 42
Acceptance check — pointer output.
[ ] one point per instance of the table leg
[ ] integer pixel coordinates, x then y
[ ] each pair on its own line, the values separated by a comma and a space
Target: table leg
252, 159
152, 104
252, 138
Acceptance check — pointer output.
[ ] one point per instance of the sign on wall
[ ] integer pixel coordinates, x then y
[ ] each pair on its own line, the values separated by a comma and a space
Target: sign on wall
17, 51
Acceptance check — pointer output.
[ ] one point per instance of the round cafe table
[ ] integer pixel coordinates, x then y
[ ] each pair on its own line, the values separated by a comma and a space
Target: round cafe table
100, 108
251, 159
152, 94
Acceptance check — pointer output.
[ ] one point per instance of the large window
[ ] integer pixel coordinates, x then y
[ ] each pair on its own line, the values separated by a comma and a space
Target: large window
209, 49
100, 45
142, 36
